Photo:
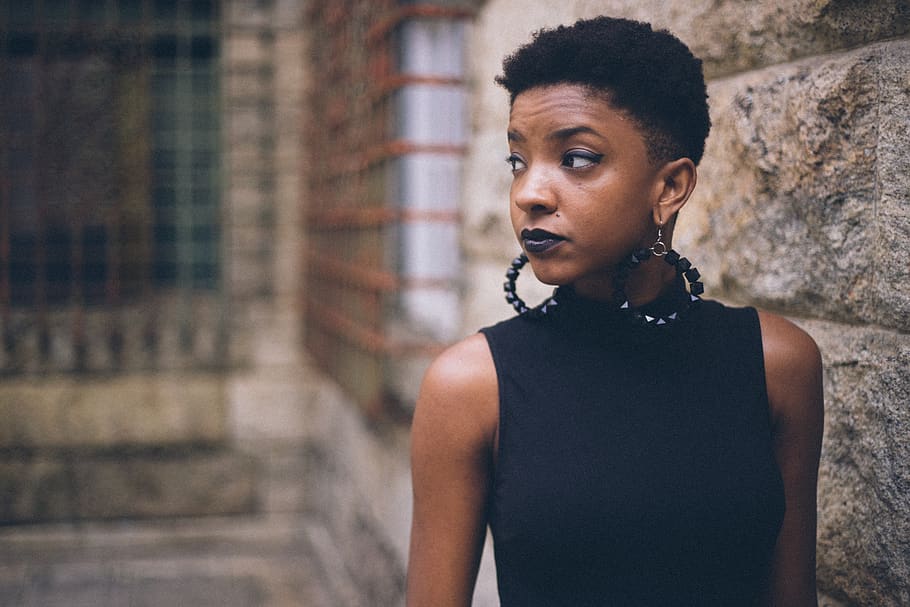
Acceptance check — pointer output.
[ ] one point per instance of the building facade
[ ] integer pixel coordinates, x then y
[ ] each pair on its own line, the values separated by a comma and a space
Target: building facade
232, 234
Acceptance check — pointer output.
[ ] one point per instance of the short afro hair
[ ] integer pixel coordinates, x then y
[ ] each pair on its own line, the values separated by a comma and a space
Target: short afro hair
650, 74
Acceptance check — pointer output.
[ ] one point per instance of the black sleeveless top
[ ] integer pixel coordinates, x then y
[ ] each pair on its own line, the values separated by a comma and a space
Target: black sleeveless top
635, 464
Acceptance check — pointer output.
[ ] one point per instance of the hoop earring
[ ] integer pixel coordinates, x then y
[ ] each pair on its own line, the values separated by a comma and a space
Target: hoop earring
517, 302
683, 267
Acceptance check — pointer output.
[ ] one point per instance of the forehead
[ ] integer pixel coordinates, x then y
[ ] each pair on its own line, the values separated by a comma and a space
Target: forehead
560, 105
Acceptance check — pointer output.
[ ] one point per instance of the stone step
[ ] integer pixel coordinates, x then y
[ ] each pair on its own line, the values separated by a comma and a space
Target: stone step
102, 412
79, 485
231, 561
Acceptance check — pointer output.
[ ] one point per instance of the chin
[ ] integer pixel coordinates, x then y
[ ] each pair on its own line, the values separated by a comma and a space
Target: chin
550, 276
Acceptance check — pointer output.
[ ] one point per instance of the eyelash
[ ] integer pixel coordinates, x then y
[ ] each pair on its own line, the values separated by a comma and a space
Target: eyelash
513, 159
591, 157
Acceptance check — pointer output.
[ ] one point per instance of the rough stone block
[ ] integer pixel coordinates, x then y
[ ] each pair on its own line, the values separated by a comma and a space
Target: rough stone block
247, 204
250, 240
249, 275
788, 212
892, 269
243, 14
249, 124
749, 35
288, 148
245, 85
166, 484
288, 14
247, 49
287, 273
129, 410
864, 478
247, 165
290, 62
25, 355
268, 408
33, 488
288, 192
79, 485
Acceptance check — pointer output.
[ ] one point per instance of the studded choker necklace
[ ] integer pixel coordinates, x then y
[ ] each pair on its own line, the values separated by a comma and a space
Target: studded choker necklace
637, 316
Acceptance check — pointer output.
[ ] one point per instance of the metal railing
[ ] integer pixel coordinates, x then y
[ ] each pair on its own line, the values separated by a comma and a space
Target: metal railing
388, 136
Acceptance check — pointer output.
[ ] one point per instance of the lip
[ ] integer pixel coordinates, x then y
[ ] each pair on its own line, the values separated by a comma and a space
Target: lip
539, 241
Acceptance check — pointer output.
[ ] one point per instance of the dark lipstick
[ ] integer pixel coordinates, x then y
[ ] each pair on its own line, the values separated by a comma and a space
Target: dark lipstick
539, 241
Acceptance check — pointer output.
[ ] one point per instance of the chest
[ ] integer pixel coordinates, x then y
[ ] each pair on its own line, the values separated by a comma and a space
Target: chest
626, 468
629, 472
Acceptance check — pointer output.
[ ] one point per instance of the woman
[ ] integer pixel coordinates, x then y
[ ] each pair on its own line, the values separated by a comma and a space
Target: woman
626, 442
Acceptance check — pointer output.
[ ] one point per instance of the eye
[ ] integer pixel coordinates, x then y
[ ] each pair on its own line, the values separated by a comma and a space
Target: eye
515, 162
580, 159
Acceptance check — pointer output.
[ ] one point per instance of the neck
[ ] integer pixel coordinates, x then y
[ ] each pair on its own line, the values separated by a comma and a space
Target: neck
643, 284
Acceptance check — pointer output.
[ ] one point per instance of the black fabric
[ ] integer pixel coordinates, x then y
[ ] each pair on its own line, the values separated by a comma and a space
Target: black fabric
635, 464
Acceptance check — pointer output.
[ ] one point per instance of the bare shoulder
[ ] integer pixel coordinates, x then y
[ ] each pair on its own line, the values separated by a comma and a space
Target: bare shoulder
793, 368
461, 366
460, 393
452, 439
793, 375
789, 350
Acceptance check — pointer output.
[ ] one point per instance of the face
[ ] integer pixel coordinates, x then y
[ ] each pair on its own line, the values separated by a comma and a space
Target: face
583, 188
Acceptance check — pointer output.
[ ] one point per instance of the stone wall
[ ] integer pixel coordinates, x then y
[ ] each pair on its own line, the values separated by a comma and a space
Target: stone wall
264, 76
803, 207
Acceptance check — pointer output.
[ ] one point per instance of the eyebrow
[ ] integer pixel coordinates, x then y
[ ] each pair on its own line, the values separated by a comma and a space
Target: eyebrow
558, 134
571, 131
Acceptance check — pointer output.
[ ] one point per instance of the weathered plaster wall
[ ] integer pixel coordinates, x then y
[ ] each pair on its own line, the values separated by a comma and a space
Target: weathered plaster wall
803, 207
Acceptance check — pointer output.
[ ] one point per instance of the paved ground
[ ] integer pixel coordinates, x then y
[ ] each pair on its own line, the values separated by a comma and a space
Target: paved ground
225, 562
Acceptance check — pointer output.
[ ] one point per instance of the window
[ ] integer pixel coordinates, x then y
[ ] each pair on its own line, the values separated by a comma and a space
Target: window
109, 181
389, 136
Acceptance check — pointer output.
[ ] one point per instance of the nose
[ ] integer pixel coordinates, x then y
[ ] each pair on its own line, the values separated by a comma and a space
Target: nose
532, 191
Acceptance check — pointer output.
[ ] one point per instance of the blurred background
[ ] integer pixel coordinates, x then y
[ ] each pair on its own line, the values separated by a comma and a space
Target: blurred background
234, 232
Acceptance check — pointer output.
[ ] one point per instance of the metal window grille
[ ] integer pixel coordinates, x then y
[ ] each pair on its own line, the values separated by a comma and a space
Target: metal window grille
388, 135
109, 185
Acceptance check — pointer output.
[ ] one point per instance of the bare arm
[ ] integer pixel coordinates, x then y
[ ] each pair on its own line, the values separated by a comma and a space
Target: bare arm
794, 378
452, 440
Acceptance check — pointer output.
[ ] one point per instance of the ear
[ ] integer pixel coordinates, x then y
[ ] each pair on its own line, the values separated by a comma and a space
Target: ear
675, 182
